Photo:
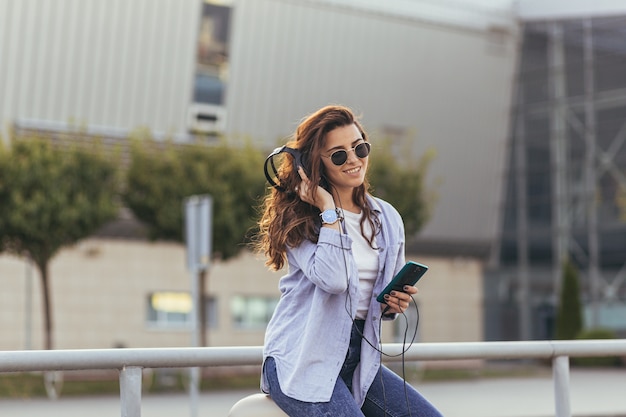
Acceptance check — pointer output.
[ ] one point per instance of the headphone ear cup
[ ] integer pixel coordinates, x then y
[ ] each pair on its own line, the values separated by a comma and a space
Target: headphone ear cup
324, 183
304, 161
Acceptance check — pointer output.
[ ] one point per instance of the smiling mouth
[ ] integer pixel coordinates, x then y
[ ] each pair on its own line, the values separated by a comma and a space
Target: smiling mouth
353, 170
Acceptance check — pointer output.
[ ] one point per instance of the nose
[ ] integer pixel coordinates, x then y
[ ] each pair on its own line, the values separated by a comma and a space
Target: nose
351, 155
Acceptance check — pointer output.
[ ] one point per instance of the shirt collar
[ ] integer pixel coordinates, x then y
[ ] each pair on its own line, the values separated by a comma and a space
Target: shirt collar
374, 204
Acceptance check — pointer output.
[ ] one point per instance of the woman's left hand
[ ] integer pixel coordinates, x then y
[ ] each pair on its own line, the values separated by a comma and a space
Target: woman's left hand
398, 301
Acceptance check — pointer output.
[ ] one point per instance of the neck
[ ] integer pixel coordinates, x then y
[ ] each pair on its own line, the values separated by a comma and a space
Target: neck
343, 199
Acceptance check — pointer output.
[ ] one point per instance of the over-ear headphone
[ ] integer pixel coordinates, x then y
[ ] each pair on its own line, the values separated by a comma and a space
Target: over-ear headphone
274, 180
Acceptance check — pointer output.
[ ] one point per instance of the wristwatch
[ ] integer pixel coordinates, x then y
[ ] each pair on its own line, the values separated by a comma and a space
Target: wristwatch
330, 216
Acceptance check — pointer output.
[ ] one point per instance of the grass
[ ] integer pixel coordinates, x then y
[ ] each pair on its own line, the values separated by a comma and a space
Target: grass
31, 385
414, 373
21, 386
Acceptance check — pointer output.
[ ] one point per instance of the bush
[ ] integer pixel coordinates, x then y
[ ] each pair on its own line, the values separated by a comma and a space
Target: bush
569, 321
604, 361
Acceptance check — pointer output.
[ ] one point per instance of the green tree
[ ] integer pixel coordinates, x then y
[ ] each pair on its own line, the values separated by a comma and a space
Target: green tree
162, 175
402, 182
51, 198
569, 322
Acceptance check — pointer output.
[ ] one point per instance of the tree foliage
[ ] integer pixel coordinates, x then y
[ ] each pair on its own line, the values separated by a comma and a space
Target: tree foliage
403, 184
162, 175
569, 322
52, 198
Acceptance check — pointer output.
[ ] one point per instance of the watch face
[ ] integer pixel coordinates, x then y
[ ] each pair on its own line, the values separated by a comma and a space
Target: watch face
329, 216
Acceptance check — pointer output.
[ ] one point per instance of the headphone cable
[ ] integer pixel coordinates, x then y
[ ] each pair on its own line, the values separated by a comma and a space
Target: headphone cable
354, 326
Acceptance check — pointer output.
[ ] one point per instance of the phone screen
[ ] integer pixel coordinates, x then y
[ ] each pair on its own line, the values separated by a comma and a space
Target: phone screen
410, 273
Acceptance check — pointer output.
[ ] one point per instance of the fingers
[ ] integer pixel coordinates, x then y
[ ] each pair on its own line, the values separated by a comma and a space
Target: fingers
396, 308
302, 174
302, 188
399, 301
312, 193
411, 290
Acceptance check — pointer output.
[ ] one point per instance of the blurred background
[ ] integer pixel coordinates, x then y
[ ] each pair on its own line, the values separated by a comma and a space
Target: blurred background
519, 106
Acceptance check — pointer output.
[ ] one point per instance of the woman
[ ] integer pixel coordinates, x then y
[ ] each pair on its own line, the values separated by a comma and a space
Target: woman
342, 246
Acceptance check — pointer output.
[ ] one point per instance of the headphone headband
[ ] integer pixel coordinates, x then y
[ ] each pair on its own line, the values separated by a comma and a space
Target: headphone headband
297, 162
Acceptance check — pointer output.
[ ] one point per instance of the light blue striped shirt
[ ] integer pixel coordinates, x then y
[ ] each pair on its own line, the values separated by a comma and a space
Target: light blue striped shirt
309, 333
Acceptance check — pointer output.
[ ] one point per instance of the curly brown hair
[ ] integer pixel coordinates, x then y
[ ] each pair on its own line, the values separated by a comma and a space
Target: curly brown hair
286, 220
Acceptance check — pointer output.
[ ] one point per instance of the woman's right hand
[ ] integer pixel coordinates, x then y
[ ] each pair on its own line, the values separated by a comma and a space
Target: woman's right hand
321, 199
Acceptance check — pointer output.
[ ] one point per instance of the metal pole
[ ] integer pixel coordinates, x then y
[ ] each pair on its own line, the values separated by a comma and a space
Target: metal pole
560, 371
194, 373
522, 221
28, 313
198, 224
590, 172
558, 153
130, 391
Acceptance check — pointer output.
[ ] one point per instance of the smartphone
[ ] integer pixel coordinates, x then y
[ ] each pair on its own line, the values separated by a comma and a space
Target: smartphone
408, 275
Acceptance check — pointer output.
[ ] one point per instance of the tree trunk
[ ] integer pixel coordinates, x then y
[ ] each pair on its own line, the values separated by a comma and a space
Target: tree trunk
47, 304
201, 309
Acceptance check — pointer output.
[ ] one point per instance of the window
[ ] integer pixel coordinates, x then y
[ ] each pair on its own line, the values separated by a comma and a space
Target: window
172, 309
207, 113
251, 312
212, 63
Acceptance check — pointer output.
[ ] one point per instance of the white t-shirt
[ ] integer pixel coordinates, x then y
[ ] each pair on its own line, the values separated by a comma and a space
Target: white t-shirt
366, 259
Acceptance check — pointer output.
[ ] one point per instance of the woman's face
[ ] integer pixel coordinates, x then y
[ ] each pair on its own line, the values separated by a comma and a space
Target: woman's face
352, 173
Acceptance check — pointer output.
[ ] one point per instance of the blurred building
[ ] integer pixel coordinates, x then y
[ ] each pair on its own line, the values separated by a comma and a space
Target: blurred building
565, 191
500, 91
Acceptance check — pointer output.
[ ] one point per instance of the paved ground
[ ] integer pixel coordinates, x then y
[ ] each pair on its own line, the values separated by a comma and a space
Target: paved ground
594, 393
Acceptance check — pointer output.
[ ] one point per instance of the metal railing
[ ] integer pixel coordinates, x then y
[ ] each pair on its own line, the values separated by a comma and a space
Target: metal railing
130, 362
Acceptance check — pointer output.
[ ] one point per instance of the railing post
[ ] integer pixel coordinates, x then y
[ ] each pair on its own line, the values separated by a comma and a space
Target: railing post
560, 373
130, 391
194, 390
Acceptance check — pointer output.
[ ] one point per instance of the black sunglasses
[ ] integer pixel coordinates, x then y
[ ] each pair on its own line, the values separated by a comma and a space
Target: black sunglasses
340, 156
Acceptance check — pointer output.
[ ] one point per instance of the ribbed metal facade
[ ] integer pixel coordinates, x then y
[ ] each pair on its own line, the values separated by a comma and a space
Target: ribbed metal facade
442, 80
115, 64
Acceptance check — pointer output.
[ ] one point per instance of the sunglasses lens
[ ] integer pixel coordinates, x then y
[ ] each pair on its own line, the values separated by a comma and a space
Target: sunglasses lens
339, 157
362, 149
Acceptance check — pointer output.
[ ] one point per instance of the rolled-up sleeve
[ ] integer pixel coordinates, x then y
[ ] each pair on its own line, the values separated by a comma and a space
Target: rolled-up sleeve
319, 261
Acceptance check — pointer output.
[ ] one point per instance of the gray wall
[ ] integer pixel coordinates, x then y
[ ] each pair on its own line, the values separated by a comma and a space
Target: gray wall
445, 85
115, 64
442, 80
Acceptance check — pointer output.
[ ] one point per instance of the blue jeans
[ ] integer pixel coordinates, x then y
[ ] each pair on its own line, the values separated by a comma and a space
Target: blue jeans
389, 395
